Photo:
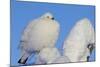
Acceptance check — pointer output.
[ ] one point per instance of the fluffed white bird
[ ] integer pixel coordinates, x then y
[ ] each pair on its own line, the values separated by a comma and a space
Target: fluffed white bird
47, 56
80, 42
40, 33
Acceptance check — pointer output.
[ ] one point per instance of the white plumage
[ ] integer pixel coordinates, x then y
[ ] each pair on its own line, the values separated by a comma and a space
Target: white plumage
75, 45
47, 56
40, 33
61, 59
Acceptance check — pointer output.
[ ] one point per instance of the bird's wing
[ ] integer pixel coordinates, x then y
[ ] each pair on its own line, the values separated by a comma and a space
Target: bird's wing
26, 31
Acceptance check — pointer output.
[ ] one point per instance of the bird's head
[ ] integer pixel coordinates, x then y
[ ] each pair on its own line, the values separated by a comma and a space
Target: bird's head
48, 16
91, 46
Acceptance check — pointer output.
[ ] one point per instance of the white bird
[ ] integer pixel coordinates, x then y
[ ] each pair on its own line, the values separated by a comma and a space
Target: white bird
61, 59
47, 56
40, 33
80, 42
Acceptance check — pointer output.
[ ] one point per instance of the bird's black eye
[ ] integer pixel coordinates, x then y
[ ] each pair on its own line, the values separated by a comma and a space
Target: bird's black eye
52, 18
89, 46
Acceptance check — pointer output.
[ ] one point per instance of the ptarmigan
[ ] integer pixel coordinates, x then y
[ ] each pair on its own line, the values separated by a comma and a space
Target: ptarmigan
40, 33
80, 41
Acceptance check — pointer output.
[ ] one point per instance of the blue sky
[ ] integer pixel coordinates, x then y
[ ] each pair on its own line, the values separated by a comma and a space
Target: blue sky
66, 14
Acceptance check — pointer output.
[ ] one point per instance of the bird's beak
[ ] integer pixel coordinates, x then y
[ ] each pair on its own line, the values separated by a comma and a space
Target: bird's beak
52, 18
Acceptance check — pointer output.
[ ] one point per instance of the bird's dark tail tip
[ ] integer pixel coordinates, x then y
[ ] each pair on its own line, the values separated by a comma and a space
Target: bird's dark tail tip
22, 62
